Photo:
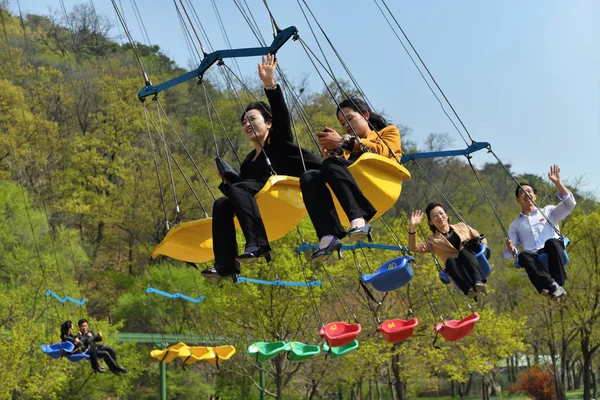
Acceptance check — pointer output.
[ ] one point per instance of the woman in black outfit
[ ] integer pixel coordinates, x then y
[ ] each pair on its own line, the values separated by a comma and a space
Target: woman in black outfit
269, 129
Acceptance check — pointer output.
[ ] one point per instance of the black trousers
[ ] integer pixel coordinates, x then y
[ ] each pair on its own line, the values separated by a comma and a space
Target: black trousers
240, 202
105, 353
464, 270
535, 269
319, 202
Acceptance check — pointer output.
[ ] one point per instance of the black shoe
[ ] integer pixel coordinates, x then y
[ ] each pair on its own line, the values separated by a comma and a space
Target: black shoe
251, 256
122, 370
358, 234
323, 254
213, 276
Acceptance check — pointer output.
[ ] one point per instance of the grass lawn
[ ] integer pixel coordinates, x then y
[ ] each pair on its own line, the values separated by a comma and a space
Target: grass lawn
572, 395
575, 394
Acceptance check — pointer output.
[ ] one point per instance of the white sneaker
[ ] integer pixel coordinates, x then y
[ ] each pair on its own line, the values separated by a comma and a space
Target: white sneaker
558, 293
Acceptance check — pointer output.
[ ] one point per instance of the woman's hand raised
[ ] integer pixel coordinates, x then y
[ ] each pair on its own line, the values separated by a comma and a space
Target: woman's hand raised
415, 219
266, 70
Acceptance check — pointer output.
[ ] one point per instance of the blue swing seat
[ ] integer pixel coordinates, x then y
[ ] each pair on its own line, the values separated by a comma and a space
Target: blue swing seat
392, 275
484, 266
543, 257
57, 350
77, 357
65, 349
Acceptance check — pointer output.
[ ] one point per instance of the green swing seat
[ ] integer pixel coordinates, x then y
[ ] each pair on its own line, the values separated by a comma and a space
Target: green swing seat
264, 351
300, 351
335, 352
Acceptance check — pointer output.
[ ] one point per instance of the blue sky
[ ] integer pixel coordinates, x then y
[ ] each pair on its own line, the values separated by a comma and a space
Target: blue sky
523, 75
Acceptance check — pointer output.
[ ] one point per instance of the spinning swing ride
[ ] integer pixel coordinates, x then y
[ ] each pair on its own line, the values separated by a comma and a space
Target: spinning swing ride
379, 177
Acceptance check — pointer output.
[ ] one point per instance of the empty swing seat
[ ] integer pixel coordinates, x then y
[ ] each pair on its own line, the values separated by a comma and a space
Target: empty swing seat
220, 354
338, 334
336, 352
195, 354
300, 351
380, 179
392, 275
454, 330
280, 196
264, 351
170, 353
397, 330
57, 350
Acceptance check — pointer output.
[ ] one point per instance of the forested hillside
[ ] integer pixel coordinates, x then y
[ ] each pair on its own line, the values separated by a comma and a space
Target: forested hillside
81, 210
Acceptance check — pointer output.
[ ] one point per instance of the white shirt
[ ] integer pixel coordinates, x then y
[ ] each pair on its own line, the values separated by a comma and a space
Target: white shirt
533, 230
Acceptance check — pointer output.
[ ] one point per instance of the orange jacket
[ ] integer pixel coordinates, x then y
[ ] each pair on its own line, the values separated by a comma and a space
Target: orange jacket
390, 134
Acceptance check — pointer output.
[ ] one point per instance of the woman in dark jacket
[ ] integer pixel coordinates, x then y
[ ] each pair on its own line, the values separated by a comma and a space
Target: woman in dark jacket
268, 127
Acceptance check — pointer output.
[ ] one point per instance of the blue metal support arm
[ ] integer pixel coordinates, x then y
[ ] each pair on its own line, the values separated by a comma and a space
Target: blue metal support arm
176, 295
278, 282
188, 298
359, 245
215, 56
157, 291
449, 153
65, 299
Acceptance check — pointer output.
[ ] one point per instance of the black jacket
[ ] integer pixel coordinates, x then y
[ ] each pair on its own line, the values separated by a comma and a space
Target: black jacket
279, 147
86, 341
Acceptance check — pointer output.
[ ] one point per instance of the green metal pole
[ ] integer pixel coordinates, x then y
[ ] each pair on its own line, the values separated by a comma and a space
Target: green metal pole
262, 382
162, 367
340, 392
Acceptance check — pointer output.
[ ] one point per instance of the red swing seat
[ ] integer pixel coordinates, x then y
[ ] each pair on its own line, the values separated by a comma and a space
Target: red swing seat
397, 330
338, 334
454, 330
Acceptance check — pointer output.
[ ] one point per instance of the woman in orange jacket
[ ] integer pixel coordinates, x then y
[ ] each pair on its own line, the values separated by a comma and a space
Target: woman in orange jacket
450, 244
357, 119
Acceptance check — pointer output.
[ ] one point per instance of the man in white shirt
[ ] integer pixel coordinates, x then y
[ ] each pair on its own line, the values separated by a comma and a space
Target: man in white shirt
537, 235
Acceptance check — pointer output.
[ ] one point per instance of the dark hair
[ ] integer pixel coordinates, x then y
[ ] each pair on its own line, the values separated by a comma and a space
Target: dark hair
524, 184
81, 321
428, 209
263, 108
64, 329
376, 121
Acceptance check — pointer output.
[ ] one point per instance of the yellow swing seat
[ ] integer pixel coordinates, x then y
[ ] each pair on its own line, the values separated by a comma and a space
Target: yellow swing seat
170, 353
195, 354
281, 208
189, 241
220, 354
380, 179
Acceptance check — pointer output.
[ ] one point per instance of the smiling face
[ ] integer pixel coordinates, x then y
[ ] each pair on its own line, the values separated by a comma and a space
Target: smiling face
438, 218
523, 199
253, 121
356, 120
